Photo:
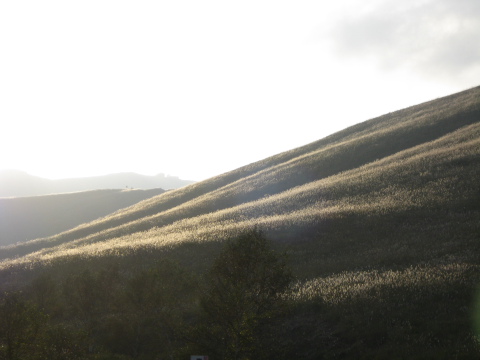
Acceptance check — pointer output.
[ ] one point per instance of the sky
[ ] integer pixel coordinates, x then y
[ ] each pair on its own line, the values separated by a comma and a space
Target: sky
197, 88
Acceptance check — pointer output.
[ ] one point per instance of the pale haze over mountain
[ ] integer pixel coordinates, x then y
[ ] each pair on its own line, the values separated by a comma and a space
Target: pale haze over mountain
15, 183
198, 88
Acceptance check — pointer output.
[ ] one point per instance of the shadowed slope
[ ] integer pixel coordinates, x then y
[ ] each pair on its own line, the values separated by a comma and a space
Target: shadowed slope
27, 218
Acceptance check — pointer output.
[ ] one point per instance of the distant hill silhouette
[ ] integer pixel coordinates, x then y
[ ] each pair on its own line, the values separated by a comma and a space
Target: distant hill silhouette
27, 218
18, 183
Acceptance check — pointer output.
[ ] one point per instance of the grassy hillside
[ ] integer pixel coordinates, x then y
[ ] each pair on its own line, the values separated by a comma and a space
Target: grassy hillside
27, 218
380, 221
386, 158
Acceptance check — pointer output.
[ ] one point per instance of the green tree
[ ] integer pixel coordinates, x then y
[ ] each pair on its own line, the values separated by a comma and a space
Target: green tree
242, 297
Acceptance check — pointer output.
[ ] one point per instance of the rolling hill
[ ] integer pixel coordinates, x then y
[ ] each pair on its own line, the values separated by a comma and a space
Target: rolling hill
380, 222
15, 183
28, 218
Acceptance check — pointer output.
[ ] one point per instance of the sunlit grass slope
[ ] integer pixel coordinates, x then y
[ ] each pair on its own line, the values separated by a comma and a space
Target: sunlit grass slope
381, 222
27, 218
422, 158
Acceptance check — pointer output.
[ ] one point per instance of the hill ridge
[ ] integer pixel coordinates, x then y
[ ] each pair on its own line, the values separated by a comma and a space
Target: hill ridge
16, 183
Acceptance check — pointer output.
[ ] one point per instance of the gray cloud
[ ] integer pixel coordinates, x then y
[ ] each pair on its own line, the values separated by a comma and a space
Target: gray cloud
436, 37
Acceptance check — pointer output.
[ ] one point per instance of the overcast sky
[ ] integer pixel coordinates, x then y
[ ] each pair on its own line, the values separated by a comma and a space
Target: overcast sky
198, 88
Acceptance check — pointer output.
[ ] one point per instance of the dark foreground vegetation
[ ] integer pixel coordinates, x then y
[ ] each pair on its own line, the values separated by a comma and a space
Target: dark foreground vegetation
245, 304
233, 311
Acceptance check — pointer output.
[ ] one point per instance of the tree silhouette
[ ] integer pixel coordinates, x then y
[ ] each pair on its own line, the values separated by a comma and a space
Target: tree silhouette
243, 294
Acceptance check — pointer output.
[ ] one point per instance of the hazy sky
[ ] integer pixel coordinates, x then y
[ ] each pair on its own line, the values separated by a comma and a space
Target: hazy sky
198, 88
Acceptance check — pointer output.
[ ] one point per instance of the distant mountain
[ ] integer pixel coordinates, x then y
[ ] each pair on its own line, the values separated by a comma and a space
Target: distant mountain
18, 183
27, 218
